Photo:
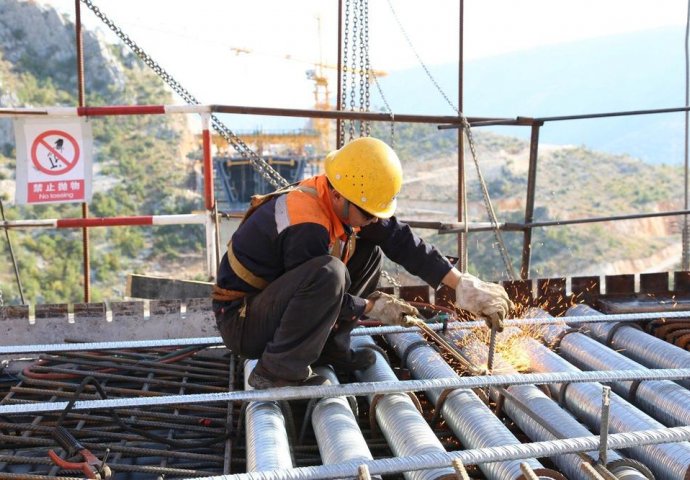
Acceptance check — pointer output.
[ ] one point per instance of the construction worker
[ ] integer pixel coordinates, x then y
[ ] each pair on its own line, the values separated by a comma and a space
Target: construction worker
303, 266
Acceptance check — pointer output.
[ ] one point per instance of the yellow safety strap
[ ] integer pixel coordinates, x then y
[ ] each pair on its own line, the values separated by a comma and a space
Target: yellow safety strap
243, 272
259, 283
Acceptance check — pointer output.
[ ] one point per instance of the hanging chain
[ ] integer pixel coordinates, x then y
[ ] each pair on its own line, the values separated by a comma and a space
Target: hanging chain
487, 201
390, 279
353, 65
388, 108
360, 69
470, 140
259, 164
367, 65
343, 94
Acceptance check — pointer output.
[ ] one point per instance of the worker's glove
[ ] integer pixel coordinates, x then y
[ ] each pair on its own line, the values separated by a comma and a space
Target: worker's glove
390, 310
484, 299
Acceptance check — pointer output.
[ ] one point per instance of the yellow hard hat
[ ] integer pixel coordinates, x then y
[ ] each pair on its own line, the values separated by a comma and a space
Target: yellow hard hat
367, 172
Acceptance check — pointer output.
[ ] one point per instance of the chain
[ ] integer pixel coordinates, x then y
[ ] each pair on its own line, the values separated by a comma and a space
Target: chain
487, 201
343, 98
388, 108
259, 164
360, 70
367, 67
419, 59
353, 66
470, 140
390, 279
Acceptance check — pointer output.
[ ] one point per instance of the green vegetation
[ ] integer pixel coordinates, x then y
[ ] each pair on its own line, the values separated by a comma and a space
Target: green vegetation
145, 173
572, 183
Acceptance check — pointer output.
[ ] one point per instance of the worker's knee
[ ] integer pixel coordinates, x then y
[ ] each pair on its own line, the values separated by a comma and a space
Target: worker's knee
330, 273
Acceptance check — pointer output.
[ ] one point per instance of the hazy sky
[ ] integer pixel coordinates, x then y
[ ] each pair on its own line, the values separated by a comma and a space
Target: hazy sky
196, 41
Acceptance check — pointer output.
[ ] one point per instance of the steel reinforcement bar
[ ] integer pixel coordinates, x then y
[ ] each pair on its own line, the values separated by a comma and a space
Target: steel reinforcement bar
363, 388
76, 347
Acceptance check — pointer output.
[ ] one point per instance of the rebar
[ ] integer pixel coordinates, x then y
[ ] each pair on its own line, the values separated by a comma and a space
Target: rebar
469, 457
217, 341
364, 388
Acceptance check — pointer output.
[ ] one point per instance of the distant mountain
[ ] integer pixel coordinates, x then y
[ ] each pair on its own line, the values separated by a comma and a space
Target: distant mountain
637, 71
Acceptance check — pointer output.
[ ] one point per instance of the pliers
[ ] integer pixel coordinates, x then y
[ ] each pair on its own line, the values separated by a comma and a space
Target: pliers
92, 467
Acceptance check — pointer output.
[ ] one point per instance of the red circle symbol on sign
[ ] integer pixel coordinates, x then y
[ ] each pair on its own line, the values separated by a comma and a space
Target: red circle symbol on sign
54, 152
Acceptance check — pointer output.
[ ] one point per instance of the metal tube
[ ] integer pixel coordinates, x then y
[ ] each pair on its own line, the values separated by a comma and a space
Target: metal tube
664, 400
468, 457
538, 416
404, 427
450, 227
267, 441
640, 346
466, 414
462, 190
337, 433
583, 400
529, 201
82, 102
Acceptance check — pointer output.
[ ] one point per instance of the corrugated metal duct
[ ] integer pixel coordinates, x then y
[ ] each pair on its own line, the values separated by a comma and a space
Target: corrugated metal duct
665, 400
404, 428
465, 413
268, 447
337, 433
541, 418
638, 345
667, 461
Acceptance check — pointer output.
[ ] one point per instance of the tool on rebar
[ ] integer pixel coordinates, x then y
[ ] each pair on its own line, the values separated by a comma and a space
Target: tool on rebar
92, 467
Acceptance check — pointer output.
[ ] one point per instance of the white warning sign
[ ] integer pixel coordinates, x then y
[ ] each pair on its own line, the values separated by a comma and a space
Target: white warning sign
53, 160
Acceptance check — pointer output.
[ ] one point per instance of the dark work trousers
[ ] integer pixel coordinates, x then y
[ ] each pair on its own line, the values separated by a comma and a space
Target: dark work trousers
302, 314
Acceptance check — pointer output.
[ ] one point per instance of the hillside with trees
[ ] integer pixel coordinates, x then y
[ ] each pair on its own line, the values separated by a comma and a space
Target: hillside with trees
139, 168
145, 165
573, 182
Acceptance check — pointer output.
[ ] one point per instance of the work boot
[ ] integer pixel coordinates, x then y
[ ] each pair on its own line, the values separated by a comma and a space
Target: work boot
260, 379
348, 361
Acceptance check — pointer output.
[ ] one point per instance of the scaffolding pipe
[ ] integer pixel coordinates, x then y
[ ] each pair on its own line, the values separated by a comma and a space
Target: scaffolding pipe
403, 426
465, 413
467, 457
268, 447
541, 418
665, 400
584, 401
337, 433
642, 347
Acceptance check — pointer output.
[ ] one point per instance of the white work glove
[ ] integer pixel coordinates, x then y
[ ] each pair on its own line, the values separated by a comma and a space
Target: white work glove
484, 299
390, 310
